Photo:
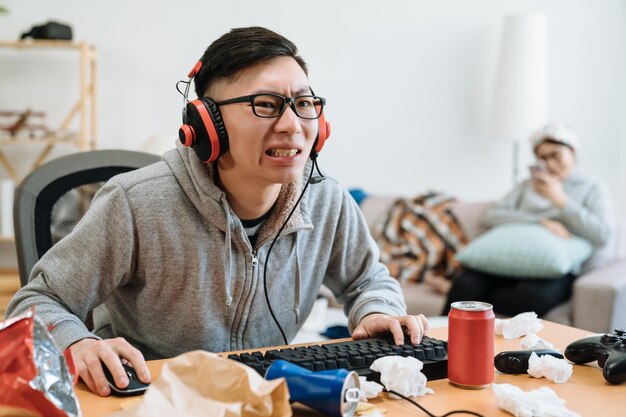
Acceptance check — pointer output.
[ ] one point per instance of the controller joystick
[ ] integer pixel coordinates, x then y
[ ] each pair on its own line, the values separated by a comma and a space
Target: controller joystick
609, 338
608, 349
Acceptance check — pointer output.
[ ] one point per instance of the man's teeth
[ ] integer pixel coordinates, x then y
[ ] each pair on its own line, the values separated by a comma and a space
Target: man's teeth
283, 152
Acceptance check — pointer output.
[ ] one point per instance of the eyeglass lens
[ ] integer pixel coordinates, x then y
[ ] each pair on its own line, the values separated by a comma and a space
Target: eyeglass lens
267, 105
556, 155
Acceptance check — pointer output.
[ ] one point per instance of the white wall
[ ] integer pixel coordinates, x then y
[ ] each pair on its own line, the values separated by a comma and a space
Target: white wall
408, 82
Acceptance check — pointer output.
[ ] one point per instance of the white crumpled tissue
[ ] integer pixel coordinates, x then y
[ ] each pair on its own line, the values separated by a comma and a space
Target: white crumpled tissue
520, 325
542, 402
403, 375
533, 342
555, 369
369, 389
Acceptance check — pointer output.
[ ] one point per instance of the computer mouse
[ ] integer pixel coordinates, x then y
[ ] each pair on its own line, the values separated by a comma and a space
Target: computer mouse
134, 387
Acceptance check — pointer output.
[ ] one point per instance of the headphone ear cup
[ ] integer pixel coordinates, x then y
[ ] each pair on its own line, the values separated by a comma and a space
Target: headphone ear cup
218, 123
204, 130
323, 133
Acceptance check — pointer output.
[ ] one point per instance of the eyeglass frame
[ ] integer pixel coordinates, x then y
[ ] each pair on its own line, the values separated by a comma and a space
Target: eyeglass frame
291, 101
556, 155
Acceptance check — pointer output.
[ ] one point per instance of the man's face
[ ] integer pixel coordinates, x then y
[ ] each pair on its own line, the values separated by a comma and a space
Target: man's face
265, 150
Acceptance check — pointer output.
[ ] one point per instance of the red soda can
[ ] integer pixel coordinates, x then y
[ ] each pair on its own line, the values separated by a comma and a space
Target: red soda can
471, 344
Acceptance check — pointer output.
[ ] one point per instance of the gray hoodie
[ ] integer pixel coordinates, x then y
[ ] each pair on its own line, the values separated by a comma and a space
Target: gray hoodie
164, 252
588, 212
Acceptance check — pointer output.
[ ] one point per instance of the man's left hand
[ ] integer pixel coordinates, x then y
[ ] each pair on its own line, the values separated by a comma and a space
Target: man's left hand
551, 187
378, 324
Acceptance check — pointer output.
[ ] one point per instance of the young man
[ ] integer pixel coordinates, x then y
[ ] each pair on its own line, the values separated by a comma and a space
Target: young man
176, 250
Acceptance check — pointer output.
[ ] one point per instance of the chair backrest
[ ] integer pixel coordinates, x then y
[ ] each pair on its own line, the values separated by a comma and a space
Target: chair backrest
54, 197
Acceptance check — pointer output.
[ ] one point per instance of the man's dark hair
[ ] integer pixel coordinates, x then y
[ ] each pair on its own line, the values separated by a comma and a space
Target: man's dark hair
239, 49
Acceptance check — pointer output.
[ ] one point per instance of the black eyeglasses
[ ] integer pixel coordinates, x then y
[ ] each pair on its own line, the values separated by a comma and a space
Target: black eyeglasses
270, 105
557, 155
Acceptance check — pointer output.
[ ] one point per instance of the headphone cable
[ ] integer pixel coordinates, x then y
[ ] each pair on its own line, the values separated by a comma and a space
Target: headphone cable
471, 413
310, 180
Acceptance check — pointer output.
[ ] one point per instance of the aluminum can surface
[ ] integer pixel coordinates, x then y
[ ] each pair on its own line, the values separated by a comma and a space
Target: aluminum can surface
334, 392
471, 344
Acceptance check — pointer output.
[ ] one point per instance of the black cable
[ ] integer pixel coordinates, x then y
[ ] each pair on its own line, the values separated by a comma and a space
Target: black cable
178, 88
430, 414
269, 251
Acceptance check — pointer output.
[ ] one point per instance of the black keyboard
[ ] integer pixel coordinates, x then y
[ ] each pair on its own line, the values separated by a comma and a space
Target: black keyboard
355, 355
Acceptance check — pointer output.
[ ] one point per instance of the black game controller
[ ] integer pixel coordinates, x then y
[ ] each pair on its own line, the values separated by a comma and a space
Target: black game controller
516, 361
608, 349
134, 387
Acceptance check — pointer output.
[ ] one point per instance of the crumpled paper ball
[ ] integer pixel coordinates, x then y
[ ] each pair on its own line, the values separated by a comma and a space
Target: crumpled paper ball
369, 389
542, 402
403, 375
534, 342
555, 369
520, 325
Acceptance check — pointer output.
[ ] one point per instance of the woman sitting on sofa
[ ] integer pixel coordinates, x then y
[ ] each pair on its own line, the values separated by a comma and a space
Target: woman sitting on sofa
561, 198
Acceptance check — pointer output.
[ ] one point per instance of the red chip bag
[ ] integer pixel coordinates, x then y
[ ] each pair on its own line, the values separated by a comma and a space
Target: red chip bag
35, 379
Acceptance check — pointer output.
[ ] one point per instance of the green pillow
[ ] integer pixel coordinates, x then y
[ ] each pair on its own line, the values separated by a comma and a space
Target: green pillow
524, 250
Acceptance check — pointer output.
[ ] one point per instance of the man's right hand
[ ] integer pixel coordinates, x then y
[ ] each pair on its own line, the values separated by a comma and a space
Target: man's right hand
557, 228
89, 355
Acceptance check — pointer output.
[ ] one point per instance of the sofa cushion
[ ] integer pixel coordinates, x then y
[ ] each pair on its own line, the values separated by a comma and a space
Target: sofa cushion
525, 250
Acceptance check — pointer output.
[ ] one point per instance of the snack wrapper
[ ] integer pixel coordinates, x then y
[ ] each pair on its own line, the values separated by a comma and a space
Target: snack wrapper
35, 377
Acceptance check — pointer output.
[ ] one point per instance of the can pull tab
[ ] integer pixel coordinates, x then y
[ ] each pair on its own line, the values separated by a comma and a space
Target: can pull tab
353, 395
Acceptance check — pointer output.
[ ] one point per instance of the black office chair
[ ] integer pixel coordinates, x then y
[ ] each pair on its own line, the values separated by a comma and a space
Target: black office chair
54, 197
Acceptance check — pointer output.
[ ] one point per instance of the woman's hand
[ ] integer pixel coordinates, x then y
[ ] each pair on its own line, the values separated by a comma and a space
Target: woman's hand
377, 324
551, 187
557, 228
90, 354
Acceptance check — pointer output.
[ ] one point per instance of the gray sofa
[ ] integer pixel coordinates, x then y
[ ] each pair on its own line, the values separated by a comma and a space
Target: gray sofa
599, 295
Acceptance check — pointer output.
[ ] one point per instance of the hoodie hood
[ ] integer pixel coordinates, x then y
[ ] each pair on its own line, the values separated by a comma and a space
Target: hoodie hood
197, 181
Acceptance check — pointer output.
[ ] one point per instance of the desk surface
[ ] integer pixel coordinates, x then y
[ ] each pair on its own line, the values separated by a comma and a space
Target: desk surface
586, 393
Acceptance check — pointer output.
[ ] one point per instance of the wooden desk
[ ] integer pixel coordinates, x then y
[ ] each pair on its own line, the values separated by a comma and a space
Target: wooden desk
586, 393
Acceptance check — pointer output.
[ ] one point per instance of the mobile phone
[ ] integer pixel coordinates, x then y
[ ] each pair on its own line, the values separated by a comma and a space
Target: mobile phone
538, 167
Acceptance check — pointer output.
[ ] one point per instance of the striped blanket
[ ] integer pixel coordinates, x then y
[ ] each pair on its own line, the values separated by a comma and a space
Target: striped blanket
418, 235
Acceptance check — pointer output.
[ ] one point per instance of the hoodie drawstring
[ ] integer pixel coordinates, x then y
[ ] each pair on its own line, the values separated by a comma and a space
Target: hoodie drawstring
297, 296
227, 258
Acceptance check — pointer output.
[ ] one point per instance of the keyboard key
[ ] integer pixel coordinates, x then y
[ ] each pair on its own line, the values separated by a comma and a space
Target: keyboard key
271, 354
357, 362
429, 352
343, 364
419, 354
440, 351
407, 353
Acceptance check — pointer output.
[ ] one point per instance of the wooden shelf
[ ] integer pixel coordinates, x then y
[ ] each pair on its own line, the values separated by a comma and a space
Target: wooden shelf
84, 110
38, 43
43, 140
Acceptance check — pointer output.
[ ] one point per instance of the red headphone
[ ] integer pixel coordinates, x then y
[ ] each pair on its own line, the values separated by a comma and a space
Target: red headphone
204, 131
